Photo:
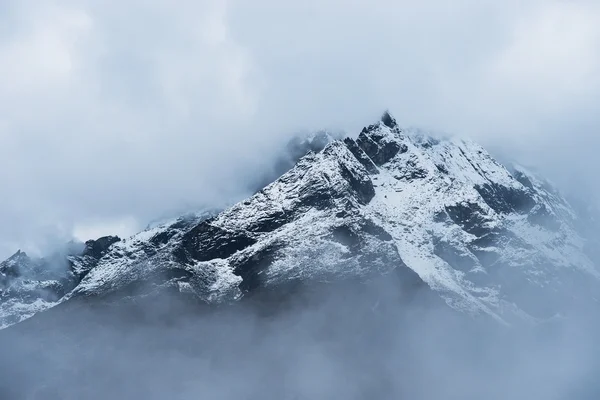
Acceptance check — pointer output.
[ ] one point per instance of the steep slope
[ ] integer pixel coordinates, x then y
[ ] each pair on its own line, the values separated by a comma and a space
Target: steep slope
488, 239
436, 211
30, 285
307, 225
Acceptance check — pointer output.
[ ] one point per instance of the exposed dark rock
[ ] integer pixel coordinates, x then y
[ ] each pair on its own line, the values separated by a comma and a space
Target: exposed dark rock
320, 198
363, 188
270, 222
506, 200
80, 264
97, 248
442, 168
379, 150
373, 229
430, 142
410, 171
163, 237
470, 217
347, 236
208, 242
251, 268
388, 120
523, 179
361, 156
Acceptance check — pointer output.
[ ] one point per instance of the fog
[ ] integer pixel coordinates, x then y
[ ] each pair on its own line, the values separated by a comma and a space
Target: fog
115, 114
344, 341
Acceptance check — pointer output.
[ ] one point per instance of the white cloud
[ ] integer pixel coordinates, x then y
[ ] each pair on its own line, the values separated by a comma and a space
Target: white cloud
122, 227
43, 51
127, 111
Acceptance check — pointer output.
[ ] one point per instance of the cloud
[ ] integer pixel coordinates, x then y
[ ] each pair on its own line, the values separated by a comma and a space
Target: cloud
325, 343
127, 112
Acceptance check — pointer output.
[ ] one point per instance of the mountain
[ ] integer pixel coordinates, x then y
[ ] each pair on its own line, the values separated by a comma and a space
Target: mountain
30, 285
439, 214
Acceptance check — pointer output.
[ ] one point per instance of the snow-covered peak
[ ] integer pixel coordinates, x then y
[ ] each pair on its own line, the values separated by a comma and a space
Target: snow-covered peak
438, 212
388, 120
18, 257
472, 229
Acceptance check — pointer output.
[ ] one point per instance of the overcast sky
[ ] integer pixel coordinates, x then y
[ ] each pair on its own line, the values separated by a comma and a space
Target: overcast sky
115, 113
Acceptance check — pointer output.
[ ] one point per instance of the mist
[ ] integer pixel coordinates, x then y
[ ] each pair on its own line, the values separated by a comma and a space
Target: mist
337, 341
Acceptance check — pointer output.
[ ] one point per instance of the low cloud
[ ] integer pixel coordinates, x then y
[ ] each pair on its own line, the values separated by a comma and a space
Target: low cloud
343, 342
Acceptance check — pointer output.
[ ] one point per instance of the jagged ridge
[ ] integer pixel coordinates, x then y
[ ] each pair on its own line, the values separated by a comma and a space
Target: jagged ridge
440, 211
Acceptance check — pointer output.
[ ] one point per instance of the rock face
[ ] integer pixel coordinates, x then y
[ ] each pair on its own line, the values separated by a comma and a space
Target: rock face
29, 285
307, 225
441, 213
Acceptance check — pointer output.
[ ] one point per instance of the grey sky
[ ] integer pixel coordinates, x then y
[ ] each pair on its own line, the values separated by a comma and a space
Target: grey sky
115, 113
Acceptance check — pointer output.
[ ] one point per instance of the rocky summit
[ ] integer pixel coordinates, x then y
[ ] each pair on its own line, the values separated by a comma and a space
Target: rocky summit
439, 213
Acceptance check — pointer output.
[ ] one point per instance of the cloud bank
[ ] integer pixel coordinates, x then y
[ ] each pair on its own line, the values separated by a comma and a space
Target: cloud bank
114, 114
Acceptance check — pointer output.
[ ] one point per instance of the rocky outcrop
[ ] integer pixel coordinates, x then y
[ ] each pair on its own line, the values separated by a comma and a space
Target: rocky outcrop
29, 285
439, 213
307, 225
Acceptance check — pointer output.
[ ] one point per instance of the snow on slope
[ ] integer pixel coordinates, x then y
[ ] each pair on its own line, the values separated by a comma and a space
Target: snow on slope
31, 285
299, 227
436, 211
470, 229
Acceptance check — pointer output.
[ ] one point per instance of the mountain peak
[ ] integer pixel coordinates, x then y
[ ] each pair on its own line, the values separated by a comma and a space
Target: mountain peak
441, 212
19, 256
388, 120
